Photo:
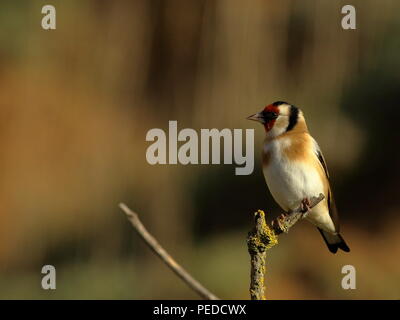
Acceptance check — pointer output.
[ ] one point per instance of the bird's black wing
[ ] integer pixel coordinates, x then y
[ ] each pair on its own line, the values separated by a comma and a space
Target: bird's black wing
331, 201
321, 159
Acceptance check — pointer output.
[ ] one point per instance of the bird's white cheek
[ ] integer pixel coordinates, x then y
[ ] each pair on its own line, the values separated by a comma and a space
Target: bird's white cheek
279, 127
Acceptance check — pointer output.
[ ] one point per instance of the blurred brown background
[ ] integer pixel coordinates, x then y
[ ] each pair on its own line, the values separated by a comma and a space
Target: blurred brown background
77, 102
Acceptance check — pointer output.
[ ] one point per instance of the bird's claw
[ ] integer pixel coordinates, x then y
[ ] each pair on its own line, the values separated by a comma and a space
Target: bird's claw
305, 206
282, 217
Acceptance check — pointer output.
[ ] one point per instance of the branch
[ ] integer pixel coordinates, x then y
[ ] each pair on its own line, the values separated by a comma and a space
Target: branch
263, 237
164, 256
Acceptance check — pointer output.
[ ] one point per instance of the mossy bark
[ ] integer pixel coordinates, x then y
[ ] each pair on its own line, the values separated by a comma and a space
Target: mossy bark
259, 240
263, 237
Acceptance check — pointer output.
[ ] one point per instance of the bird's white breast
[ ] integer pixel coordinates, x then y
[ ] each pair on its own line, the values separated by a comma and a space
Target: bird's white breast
290, 181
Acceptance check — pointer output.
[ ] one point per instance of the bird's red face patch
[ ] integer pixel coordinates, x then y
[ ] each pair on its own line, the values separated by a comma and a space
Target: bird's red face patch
268, 125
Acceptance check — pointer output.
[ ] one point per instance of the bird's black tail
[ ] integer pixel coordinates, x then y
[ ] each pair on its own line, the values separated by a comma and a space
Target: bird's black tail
334, 241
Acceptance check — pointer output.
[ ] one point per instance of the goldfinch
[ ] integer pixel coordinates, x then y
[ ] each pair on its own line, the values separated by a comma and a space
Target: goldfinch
295, 169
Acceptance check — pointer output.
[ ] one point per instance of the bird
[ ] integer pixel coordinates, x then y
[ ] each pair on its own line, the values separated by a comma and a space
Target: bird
295, 169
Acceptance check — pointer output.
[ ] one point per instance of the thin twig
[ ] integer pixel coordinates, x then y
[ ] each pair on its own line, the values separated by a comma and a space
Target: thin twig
263, 237
164, 255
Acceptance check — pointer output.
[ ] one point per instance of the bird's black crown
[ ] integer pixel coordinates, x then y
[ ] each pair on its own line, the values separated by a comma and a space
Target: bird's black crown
278, 103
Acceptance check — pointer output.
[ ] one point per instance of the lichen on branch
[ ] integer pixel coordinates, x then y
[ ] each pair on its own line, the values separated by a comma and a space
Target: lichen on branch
264, 237
259, 240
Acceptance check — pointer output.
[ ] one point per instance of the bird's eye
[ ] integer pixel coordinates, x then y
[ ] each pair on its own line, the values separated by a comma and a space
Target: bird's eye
270, 115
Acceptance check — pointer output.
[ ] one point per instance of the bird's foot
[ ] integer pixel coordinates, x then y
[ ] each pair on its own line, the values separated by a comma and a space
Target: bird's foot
279, 221
305, 206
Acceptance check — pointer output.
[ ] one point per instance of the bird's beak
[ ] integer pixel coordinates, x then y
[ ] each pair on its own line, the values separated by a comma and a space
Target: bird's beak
256, 117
